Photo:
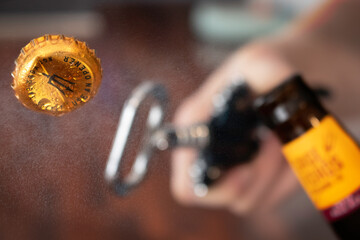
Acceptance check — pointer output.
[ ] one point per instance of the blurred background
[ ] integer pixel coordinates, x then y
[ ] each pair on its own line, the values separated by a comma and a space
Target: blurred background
51, 169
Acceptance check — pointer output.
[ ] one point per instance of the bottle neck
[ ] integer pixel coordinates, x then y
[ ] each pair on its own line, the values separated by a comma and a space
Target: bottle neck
305, 118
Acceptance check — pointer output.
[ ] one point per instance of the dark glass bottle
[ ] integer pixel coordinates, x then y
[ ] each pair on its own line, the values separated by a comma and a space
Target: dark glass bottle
324, 157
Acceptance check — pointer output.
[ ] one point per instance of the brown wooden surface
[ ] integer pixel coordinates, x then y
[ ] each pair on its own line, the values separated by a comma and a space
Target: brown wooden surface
51, 169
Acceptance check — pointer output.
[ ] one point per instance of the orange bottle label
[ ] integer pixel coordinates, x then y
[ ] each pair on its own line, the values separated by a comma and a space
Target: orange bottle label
327, 163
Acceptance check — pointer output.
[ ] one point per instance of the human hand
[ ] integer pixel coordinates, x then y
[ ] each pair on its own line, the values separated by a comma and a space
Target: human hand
267, 178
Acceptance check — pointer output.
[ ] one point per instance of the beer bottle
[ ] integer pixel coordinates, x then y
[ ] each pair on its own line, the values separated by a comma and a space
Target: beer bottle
323, 156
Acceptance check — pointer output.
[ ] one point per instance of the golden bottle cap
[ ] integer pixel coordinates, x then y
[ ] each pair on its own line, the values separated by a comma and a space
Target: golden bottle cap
55, 74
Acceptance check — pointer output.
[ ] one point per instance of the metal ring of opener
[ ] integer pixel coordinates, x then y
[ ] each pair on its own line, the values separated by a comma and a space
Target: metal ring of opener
154, 121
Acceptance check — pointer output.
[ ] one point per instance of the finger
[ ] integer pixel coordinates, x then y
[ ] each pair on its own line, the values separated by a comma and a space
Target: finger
267, 166
221, 194
284, 185
181, 184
